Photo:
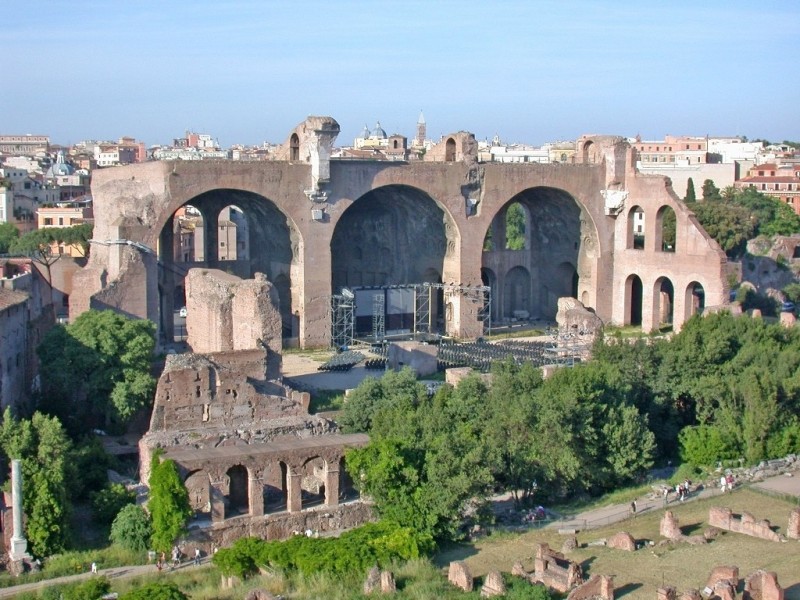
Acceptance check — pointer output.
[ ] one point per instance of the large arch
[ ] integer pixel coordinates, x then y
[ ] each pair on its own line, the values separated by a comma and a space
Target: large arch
556, 228
266, 241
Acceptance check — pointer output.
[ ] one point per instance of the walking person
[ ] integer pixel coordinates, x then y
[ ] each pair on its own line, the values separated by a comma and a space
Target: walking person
197, 556
633, 509
94, 568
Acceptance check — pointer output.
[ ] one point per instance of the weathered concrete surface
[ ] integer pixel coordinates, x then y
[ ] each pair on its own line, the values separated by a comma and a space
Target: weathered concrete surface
581, 218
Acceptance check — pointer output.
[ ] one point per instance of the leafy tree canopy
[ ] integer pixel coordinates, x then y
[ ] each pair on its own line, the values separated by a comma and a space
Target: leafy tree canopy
8, 234
97, 365
44, 448
155, 591
132, 528
168, 504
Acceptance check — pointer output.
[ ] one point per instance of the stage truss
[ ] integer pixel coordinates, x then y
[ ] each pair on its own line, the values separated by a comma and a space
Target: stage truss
343, 310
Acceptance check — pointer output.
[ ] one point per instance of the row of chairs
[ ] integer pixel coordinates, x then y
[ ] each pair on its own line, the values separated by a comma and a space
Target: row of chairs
343, 361
480, 355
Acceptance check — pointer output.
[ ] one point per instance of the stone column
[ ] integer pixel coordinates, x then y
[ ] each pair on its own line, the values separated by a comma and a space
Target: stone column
332, 485
255, 493
217, 503
19, 545
294, 501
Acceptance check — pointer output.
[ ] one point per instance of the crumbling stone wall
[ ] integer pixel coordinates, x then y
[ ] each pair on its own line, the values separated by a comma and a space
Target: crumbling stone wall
724, 518
555, 571
225, 312
793, 529
762, 585
460, 575
598, 587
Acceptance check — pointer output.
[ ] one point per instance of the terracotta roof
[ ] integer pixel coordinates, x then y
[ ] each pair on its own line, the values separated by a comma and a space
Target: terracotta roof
770, 179
9, 298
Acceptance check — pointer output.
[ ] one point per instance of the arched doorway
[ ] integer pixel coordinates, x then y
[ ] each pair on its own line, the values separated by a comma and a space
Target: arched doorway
312, 482
450, 150
633, 300
199, 488
695, 300
666, 227
663, 302
275, 488
517, 293
238, 497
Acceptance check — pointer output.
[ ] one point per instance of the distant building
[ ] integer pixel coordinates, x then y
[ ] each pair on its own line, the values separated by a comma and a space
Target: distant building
376, 138
21, 196
679, 150
71, 183
24, 145
777, 180
732, 149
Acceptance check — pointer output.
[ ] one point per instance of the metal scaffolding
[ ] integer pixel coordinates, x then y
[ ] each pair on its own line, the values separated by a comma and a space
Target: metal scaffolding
379, 317
568, 346
343, 319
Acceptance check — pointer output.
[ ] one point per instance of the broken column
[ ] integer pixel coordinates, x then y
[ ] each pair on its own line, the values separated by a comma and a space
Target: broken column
19, 545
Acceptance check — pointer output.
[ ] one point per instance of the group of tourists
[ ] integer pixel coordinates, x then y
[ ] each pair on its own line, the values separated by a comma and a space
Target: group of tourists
176, 554
726, 482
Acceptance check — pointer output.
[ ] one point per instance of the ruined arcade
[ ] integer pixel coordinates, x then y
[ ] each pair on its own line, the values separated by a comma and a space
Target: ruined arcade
594, 230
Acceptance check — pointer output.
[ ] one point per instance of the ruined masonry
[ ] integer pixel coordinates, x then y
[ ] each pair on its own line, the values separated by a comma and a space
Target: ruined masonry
724, 518
313, 225
253, 459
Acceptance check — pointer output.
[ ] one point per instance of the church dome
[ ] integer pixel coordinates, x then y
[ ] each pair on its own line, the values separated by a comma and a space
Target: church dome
60, 168
378, 132
365, 132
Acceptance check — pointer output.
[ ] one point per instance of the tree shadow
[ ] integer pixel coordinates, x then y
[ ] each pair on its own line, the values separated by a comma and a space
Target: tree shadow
692, 528
586, 565
454, 551
792, 592
626, 589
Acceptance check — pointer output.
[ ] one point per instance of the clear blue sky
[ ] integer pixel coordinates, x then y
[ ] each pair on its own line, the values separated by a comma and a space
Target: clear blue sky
530, 71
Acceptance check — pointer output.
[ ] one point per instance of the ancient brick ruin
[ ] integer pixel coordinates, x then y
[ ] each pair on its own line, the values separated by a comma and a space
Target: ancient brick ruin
460, 575
723, 584
595, 231
493, 585
253, 459
793, 529
622, 541
597, 587
554, 570
724, 518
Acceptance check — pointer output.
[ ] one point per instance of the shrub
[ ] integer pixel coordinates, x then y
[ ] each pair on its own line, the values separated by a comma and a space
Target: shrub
155, 591
91, 589
703, 445
131, 528
107, 503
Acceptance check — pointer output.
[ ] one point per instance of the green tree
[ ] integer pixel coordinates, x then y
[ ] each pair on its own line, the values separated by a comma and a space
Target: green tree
97, 365
515, 227
155, 591
132, 528
690, 193
168, 504
730, 225
44, 448
8, 234
107, 502
710, 191
91, 589
38, 244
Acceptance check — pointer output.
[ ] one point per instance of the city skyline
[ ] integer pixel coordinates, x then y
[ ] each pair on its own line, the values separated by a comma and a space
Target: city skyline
533, 72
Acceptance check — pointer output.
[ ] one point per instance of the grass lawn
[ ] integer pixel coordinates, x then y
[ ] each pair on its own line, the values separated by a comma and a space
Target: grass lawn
638, 574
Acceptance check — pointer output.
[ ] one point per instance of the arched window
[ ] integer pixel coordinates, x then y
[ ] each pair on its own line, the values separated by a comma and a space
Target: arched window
636, 228
294, 147
666, 227
450, 150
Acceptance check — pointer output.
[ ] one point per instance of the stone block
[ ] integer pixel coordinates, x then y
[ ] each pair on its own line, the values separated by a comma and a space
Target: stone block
666, 593
373, 581
762, 585
493, 585
388, 585
460, 575
570, 544
668, 527
723, 573
793, 530
725, 590
622, 541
